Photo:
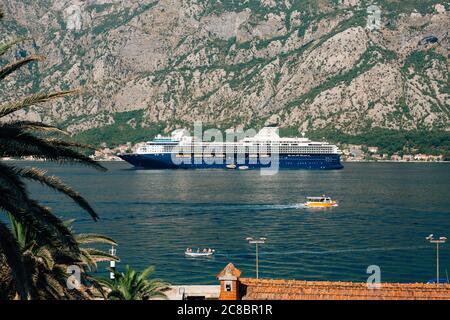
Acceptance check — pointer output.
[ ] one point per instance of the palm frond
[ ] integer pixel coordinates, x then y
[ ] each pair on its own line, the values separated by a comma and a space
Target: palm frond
85, 238
68, 223
146, 273
58, 232
46, 256
30, 126
10, 68
19, 143
116, 295
153, 291
72, 144
59, 273
41, 220
20, 232
53, 286
11, 251
87, 260
55, 183
107, 283
15, 201
11, 107
133, 285
10, 180
93, 281
99, 255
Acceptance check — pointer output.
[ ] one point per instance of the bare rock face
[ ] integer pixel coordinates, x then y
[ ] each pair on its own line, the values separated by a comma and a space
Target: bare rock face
304, 64
72, 15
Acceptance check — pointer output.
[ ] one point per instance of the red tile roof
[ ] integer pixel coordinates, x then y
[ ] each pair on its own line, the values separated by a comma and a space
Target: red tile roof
265, 289
229, 270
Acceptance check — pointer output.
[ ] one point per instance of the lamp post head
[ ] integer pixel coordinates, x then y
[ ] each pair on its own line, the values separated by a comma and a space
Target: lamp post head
113, 250
443, 239
256, 240
430, 237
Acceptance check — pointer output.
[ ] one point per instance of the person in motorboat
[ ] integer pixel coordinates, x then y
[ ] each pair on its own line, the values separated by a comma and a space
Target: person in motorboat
200, 252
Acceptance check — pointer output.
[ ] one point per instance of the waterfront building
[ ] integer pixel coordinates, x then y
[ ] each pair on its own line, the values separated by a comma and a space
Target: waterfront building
233, 286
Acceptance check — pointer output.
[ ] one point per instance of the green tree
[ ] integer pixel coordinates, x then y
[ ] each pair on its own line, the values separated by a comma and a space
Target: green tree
47, 266
20, 138
133, 285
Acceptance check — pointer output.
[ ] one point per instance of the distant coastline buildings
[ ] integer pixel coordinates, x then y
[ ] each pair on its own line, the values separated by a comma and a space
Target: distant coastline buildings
355, 153
106, 153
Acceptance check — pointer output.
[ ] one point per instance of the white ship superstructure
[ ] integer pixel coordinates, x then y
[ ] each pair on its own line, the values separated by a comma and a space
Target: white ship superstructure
266, 140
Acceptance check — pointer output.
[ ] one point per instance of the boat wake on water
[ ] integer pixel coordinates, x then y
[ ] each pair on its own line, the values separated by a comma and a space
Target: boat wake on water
257, 207
273, 206
282, 206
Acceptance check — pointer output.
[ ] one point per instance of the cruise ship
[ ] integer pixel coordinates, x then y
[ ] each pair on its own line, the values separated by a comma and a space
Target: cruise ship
264, 150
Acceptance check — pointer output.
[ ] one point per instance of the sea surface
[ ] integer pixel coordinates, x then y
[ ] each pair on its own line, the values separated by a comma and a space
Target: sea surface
385, 212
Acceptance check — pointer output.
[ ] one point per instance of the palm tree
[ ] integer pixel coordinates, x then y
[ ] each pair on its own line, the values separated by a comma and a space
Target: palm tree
133, 285
47, 266
20, 138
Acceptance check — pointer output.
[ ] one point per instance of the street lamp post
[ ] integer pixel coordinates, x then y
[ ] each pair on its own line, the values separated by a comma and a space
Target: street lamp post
437, 242
256, 242
112, 263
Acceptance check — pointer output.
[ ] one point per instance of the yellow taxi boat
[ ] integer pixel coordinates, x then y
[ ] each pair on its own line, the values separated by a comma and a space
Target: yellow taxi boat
320, 202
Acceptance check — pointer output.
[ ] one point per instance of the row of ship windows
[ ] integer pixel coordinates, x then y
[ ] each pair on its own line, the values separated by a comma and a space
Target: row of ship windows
255, 152
224, 145
282, 149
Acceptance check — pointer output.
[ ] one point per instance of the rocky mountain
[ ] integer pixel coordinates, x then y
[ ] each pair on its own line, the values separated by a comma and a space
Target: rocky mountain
350, 65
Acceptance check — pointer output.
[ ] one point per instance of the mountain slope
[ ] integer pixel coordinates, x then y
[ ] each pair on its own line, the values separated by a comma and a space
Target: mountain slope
305, 64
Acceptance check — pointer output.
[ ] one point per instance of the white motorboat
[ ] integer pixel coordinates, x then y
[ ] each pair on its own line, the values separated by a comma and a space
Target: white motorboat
199, 254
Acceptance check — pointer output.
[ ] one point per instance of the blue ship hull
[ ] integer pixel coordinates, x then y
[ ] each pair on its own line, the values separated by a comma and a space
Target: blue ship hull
164, 161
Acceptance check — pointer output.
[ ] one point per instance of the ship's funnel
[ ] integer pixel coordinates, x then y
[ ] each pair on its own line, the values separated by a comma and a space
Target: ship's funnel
268, 133
179, 133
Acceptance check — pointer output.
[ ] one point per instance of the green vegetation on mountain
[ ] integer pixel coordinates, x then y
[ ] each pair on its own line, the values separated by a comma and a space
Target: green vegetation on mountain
388, 141
127, 127
407, 6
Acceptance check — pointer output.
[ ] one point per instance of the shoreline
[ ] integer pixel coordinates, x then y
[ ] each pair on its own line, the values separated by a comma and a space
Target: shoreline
343, 161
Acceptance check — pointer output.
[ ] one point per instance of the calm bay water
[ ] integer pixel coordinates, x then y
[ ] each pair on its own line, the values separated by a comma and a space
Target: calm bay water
385, 212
